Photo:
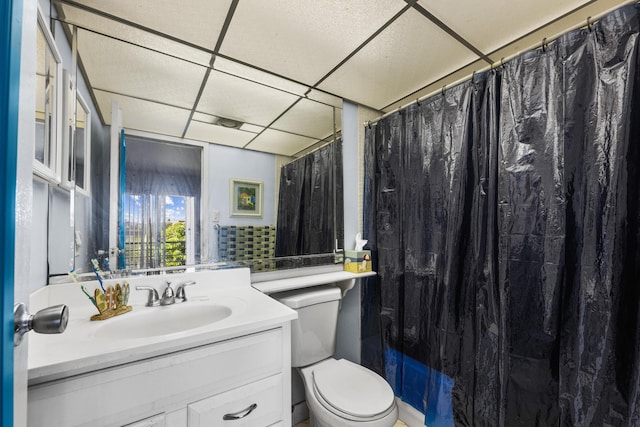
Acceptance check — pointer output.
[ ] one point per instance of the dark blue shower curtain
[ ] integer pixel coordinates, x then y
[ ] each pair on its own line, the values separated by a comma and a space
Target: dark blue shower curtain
310, 216
503, 219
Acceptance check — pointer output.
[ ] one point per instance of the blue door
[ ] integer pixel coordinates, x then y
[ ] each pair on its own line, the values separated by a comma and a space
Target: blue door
10, 45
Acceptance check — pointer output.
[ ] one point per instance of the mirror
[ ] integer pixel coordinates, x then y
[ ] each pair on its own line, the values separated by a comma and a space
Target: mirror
258, 123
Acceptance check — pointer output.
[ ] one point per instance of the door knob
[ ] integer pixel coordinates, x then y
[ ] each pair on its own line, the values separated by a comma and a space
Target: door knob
50, 320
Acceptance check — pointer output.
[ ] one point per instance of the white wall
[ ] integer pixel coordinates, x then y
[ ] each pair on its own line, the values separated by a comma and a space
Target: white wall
225, 163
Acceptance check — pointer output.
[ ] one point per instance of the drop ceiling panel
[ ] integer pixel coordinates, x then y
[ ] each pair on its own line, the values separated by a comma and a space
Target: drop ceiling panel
325, 98
309, 118
239, 99
491, 24
144, 115
218, 134
303, 39
197, 21
452, 79
575, 20
209, 119
258, 76
276, 142
133, 35
409, 54
130, 70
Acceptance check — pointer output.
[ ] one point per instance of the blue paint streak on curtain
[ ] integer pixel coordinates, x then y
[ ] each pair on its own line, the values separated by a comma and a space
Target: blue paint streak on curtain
410, 379
504, 220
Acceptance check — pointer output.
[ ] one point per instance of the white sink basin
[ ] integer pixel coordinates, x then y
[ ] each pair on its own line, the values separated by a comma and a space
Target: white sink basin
145, 322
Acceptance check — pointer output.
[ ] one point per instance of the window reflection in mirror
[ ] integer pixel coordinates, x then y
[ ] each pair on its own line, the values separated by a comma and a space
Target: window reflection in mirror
82, 146
47, 158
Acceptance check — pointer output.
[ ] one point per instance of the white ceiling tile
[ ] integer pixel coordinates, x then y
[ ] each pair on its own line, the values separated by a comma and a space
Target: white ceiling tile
197, 21
209, 119
310, 118
453, 79
303, 39
409, 54
126, 69
556, 28
237, 69
252, 128
206, 118
239, 99
276, 142
218, 134
133, 35
325, 97
491, 24
144, 115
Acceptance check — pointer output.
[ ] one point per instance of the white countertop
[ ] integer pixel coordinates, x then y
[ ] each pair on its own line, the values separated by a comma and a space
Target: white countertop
79, 351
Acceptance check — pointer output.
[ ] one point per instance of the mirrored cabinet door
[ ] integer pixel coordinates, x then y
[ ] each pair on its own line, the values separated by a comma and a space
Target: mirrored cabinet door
47, 153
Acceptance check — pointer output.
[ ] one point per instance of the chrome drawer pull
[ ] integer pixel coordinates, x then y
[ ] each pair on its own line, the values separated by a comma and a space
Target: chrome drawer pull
237, 416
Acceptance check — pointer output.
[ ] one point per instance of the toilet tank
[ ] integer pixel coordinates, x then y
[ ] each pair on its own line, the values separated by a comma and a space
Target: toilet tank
313, 333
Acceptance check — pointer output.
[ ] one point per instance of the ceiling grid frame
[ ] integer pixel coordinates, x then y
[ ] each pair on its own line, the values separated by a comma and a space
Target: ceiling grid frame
481, 60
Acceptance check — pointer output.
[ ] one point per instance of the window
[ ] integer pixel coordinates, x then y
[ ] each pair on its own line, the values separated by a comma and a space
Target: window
158, 230
161, 204
77, 154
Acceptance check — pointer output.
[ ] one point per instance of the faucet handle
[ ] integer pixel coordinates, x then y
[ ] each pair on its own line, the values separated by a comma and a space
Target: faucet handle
153, 299
180, 293
168, 296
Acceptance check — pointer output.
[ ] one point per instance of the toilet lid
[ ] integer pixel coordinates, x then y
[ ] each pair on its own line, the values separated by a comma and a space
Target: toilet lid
353, 390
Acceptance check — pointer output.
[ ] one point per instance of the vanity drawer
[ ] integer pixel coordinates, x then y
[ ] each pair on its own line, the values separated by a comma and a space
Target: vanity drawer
258, 404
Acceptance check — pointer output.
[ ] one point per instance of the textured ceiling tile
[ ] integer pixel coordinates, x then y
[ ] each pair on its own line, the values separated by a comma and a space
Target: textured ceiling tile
286, 144
409, 54
303, 39
126, 69
133, 35
197, 21
310, 118
239, 99
218, 134
325, 98
491, 24
144, 115
243, 71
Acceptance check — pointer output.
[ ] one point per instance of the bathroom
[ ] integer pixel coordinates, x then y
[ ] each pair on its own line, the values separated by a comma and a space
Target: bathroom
379, 318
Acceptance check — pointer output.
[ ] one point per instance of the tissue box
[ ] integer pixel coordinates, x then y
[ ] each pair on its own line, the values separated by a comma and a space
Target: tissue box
357, 261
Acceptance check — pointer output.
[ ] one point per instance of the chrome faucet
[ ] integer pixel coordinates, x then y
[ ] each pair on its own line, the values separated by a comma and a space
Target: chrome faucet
180, 293
153, 299
168, 296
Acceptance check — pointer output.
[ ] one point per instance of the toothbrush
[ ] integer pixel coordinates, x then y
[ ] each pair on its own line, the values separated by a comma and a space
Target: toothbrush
106, 265
96, 269
74, 277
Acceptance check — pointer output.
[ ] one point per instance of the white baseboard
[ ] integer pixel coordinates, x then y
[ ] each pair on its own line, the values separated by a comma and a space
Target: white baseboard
409, 415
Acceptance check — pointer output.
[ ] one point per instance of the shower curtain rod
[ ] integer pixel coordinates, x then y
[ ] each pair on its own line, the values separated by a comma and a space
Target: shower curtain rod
591, 20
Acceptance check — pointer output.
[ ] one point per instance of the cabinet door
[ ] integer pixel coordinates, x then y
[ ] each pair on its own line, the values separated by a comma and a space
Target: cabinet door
258, 404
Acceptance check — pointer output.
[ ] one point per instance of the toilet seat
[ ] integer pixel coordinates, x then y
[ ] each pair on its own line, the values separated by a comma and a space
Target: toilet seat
337, 382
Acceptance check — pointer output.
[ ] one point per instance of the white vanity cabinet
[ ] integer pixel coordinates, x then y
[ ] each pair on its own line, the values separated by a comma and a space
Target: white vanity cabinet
227, 378
101, 374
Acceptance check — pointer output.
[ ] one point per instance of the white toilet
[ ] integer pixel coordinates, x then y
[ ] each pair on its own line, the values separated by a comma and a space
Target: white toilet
338, 392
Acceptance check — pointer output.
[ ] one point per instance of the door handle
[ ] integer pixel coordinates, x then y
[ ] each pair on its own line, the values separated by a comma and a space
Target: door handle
50, 320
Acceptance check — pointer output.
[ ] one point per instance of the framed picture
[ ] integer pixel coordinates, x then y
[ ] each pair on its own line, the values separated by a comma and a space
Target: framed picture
246, 198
